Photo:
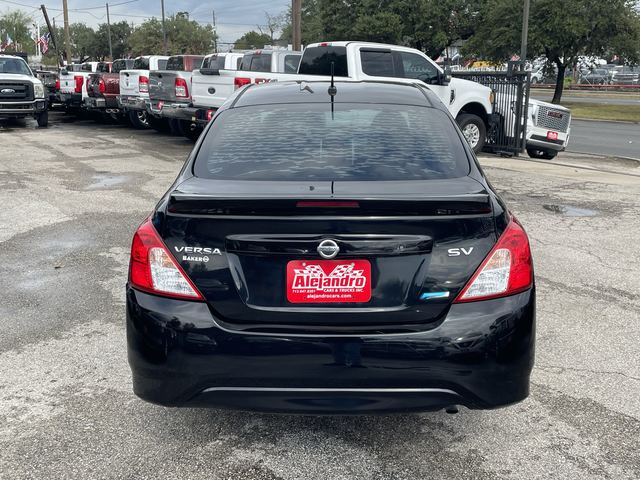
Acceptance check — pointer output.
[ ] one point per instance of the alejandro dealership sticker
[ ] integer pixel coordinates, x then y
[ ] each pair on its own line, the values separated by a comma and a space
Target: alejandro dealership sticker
328, 281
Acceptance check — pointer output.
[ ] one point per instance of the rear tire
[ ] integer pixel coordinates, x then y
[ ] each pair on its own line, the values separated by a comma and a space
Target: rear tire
158, 124
189, 130
139, 119
43, 119
473, 129
542, 153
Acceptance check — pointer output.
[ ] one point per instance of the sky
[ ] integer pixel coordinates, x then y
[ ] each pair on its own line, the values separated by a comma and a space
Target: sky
233, 17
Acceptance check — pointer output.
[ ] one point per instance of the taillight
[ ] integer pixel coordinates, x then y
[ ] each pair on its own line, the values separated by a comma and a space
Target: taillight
181, 88
101, 86
79, 81
143, 85
241, 81
153, 269
210, 114
57, 84
507, 269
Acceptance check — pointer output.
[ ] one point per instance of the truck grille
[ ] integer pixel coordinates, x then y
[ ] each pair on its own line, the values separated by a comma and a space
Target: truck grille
553, 119
16, 91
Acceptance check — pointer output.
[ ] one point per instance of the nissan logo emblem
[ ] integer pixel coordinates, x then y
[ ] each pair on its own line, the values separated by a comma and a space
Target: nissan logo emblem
328, 249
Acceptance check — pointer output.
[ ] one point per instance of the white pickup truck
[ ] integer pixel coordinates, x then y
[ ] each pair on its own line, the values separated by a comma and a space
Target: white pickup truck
21, 93
73, 82
469, 102
134, 88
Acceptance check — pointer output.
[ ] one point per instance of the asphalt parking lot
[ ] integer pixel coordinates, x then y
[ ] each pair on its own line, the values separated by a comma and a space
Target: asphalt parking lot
73, 194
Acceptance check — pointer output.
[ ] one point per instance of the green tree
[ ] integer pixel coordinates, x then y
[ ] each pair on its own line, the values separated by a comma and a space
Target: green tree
84, 42
184, 36
251, 40
146, 39
16, 25
120, 33
593, 28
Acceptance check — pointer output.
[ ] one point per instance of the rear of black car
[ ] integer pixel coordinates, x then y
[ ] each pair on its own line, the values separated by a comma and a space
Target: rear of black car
342, 257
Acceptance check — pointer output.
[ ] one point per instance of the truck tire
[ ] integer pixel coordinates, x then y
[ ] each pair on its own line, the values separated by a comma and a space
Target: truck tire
189, 130
473, 129
158, 124
43, 119
541, 153
139, 119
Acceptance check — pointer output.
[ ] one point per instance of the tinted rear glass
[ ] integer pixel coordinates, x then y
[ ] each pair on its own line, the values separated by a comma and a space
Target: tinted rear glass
175, 63
377, 63
317, 61
257, 62
162, 64
85, 67
141, 63
291, 63
216, 62
306, 142
119, 65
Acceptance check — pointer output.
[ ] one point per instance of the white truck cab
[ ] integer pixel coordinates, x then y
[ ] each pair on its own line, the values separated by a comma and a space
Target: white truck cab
469, 102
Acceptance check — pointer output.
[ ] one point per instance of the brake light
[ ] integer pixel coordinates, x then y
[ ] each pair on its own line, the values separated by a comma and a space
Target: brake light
57, 84
101, 86
241, 82
79, 81
507, 269
143, 85
181, 88
153, 269
210, 114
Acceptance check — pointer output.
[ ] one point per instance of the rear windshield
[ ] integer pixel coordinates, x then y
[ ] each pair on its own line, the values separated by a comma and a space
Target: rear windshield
175, 63
86, 67
162, 64
303, 142
317, 61
141, 63
119, 65
102, 68
256, 62
215, 62
291, 63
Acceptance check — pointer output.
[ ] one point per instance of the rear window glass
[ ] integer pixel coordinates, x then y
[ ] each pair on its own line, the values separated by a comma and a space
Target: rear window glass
162, 64
86, 67
175, 63
291, 63
102, 68
257, 62
377, 63
216, 62
141, 63
317, 61
119, 65
357, 142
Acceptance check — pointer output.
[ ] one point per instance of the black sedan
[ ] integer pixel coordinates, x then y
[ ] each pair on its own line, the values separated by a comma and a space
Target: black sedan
331, 249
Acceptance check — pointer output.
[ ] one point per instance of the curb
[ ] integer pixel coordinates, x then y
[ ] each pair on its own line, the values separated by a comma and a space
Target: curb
631, 159
595, 120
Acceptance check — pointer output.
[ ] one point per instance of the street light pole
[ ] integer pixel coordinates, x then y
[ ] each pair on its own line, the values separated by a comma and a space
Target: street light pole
525, 32
164, 32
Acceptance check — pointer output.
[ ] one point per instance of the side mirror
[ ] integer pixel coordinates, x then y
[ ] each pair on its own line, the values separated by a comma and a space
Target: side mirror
444, 78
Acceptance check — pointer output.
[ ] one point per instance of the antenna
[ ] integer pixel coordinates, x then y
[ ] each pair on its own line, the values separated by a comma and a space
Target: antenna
332, 88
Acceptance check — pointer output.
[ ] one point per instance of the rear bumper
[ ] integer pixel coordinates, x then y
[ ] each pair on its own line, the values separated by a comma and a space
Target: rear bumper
480, 356
23, 109
71, 99
99, 103
178, 111
537, 137
127, 102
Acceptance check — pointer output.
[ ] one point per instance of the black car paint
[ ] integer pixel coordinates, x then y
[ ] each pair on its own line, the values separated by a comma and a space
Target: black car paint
395, 354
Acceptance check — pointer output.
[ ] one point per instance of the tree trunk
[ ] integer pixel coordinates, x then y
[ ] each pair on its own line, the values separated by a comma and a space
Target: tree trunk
557, 94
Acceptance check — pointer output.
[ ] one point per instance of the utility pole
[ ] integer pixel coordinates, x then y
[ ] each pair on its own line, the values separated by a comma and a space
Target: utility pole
109, 33
67, 39
525, 33
164, 32
52, 32
215, 34
296, 24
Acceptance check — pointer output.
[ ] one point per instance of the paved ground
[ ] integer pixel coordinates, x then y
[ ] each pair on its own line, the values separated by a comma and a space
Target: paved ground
73, 194
605, 98
605, 138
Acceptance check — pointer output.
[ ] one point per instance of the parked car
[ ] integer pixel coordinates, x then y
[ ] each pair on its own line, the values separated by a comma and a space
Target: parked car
103, 88
331, 250
22, 95
170, 91
596, 76
469, 102
133, 99
73, 83
626, 75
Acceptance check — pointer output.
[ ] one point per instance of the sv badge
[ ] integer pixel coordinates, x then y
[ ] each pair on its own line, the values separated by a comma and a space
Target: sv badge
456, 252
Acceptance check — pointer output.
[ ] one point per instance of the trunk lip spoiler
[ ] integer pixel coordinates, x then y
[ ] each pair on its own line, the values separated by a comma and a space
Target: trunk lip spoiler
470, 197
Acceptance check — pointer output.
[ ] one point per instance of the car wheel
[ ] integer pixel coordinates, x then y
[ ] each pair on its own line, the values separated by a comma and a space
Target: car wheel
43, 119
473, 129
542, 153
139, 119
189, 130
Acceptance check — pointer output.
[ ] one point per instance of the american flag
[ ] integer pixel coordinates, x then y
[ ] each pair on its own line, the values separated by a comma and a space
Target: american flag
44, 42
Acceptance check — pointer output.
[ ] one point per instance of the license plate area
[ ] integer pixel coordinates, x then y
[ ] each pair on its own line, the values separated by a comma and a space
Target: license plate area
328, 281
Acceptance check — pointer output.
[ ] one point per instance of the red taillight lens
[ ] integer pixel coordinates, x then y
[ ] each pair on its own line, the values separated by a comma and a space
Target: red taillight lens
143, 85
507, 269
241, 82
210, 114
57, 84
79, 79
153, 269
181, 88
101, 86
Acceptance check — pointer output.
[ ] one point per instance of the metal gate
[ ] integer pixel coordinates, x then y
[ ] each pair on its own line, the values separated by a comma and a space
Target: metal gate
507, 132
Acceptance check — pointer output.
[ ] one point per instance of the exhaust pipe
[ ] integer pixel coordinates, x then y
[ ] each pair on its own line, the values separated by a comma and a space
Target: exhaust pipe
452, 409
113, 110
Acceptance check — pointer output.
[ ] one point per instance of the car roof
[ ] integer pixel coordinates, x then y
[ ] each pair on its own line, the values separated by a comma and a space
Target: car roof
301, 91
